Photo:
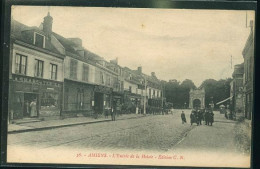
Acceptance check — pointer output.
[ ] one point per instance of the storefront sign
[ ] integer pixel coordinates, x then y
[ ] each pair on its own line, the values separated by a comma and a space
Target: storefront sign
103, 89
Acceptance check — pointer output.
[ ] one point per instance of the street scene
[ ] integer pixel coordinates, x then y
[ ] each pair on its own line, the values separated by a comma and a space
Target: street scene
130, 87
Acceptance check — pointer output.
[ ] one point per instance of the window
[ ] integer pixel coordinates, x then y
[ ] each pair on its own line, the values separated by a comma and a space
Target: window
85, 72
38, 68
49, 100
130, 77
130, 89
73, 69
39, 40
136, 90
108, 80
54, 69
101, 77
20, 64
149, 93
157, 93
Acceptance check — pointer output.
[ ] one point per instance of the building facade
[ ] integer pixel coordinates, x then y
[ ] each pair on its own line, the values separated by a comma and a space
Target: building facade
248, 54
36, 73
236, 90
52, 76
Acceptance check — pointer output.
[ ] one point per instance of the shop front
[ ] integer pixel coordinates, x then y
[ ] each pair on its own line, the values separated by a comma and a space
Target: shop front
102, 99
78, 98
131, 103
117, 101
31, 97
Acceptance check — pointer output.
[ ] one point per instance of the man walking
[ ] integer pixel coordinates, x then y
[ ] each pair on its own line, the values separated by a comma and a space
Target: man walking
211, 118
183, 118
113, 114
206, 117
192, 117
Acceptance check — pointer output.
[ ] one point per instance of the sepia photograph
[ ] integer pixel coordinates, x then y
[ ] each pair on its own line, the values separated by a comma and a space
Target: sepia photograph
131, 86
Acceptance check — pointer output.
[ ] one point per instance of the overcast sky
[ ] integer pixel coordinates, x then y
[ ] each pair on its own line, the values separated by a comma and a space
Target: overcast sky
174, 43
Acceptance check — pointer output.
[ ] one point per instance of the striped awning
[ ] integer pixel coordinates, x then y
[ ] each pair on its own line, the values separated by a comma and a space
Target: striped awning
224, 100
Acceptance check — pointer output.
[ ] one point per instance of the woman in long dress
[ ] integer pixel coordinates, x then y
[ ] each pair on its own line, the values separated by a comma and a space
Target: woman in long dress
33, 109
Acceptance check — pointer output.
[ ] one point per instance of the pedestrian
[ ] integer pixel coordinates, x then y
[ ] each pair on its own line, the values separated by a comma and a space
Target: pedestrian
211, 118
192, 117
200, 117
183, 118
113, 114
33, 112
206, 117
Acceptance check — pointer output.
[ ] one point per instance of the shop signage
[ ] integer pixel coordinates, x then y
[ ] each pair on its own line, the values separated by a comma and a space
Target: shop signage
34, 81
103, 89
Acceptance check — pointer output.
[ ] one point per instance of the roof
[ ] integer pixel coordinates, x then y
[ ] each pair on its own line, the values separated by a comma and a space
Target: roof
24, 33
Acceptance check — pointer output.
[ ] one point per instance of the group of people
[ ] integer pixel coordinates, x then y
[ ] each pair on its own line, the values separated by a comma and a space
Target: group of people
197, 116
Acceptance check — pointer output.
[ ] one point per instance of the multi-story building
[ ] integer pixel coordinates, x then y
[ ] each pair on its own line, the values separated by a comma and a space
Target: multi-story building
236, 90
89, 80
133, 89
57, 76
36, 72
248, 54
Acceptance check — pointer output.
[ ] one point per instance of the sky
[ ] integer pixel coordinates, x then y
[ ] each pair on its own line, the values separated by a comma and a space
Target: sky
174, 43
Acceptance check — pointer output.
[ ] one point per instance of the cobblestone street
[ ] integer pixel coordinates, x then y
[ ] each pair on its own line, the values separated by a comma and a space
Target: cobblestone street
163, 134
153, 132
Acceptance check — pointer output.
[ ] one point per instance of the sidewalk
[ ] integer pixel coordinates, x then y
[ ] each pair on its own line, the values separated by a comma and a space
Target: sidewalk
50, 124
213, 145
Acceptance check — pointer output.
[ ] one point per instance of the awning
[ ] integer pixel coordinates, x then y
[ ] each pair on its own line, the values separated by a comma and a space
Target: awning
224, 100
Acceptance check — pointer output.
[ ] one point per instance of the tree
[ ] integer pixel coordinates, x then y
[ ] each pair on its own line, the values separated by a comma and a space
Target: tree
177, 93
216, 91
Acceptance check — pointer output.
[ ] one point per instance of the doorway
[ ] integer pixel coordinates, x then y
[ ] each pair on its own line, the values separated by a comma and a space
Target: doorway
196, 104
30, 108
98, 99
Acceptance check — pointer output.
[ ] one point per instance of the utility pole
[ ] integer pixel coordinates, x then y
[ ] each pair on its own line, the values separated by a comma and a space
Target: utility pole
231, 61
144, 95
162, 93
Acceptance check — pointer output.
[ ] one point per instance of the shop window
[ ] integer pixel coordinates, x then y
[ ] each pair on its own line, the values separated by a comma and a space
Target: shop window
80, 99
20, 64
85, 72
38, 68
73, 69
49, 100
39, 40
54, 70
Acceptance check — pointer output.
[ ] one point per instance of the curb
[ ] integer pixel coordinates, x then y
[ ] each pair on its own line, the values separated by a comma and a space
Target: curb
65, 125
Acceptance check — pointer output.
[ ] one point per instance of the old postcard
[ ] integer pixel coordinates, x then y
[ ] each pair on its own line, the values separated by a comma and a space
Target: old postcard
130, 86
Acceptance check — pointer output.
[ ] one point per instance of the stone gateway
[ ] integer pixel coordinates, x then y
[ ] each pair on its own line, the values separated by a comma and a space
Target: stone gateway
197, 98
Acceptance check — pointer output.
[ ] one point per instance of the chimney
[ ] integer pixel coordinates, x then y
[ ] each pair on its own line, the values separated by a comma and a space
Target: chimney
139, 69
76, 41
153, 74
47, 25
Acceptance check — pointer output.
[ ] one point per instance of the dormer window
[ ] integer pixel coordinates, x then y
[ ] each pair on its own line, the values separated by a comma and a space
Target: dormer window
130, 77
39, 40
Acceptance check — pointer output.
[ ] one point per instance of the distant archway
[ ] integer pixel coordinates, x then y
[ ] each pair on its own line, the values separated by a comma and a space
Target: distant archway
197, 98
196, 103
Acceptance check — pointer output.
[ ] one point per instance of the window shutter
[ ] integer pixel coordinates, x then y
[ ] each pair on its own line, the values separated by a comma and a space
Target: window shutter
35, 67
